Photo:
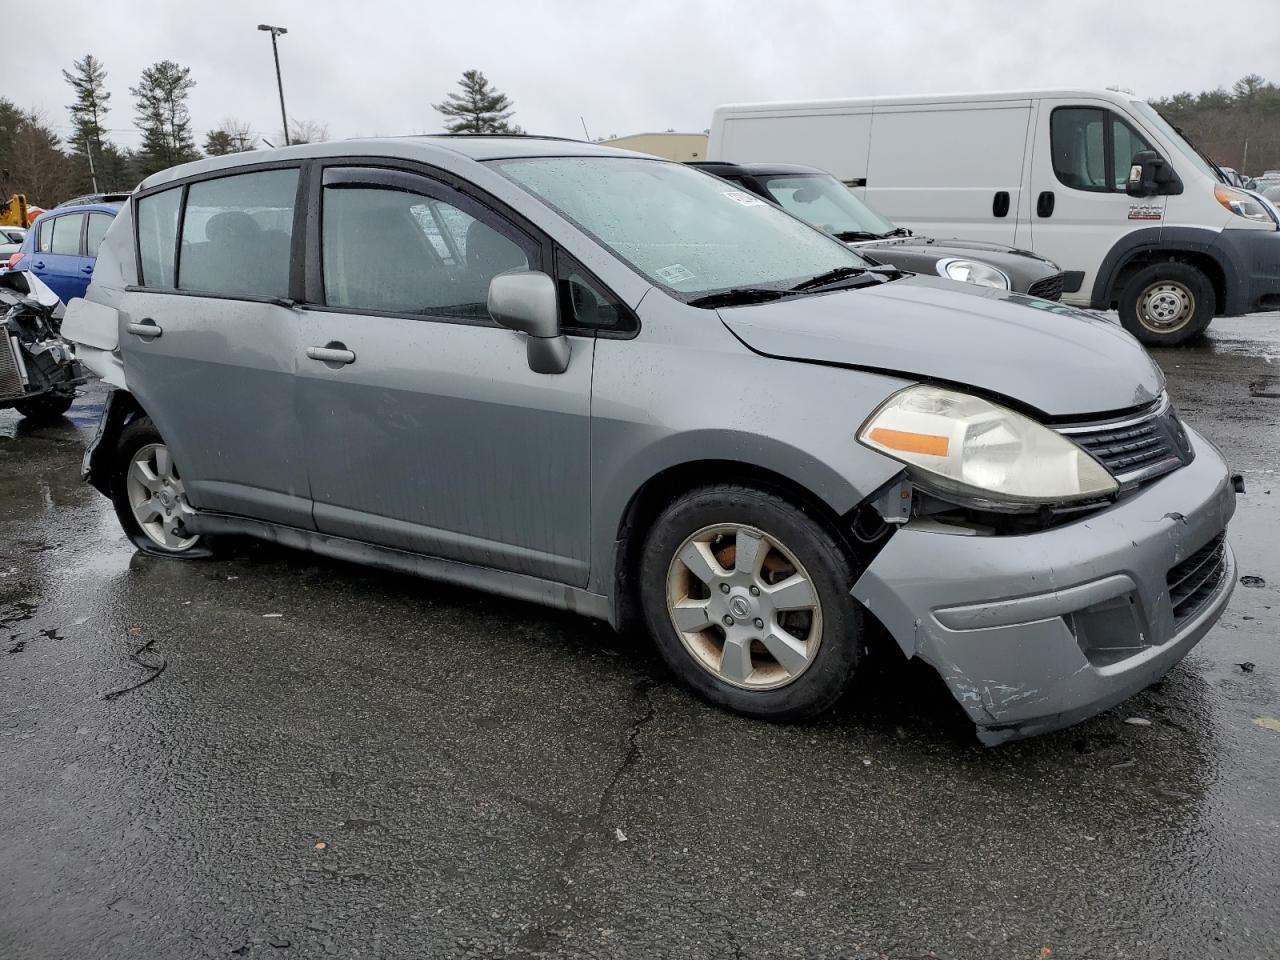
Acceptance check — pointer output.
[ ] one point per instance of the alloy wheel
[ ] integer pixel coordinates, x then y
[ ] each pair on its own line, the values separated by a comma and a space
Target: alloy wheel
158, 499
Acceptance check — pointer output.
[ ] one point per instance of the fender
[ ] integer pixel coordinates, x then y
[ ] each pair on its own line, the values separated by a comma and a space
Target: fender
120, 407
1161, 239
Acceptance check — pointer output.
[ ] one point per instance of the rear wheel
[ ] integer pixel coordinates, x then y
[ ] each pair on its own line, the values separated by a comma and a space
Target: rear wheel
747, 598
1167, 303
149, 497
47, 406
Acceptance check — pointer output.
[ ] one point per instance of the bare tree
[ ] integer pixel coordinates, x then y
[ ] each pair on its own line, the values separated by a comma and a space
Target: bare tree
308, 131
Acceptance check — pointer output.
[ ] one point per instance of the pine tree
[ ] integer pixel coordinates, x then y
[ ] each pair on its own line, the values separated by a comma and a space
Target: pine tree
88, 79
163, 117
479, 108
218, 143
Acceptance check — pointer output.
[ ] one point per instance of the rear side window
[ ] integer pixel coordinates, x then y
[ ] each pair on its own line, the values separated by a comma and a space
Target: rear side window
98, 223
44, 237
236, 234
157, 237
66, 235
1093, 148
388, 251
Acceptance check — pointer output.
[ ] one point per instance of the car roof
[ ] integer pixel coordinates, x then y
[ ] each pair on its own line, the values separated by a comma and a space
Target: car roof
724, 168
111, 208
432, 148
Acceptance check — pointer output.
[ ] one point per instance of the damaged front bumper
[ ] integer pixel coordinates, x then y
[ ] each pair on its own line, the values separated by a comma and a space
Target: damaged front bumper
1035, 632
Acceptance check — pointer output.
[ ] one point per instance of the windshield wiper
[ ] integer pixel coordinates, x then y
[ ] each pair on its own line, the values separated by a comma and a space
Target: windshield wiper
738, 295
831, 276
899, 232
847, 235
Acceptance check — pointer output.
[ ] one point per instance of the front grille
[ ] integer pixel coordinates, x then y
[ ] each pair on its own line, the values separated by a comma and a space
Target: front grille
1136, 448
1048, 288
11, 384
1196, 579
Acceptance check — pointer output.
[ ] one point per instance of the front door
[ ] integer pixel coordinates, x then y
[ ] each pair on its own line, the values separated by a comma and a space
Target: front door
210, 342
1078, 207
425, 429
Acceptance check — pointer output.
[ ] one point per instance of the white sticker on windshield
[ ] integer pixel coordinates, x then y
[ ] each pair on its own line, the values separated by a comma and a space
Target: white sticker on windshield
676, 273
746, 199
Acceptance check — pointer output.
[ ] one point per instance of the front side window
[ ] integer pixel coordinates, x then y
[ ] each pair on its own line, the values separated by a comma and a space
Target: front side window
66, 235
391, 251
98, 223
158, 237
680, 228
236, 234
584, 302
827, 203
1093, 148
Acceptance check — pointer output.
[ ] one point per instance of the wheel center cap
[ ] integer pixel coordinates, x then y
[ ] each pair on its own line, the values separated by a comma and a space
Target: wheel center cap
739, 607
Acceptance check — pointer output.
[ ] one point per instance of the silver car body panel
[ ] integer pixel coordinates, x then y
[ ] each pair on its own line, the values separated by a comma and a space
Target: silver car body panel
441, 453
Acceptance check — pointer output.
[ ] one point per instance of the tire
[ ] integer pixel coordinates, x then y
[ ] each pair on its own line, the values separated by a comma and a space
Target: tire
738, 667
163, 534
45, 408
1166, 304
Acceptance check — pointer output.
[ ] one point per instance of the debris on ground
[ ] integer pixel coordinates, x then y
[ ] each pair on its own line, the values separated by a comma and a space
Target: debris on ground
1268, 723
1249, 580
1137, 721
617, 832
320, 846
1247, 666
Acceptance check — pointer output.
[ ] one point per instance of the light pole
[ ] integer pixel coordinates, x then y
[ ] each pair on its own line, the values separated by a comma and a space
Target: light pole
275, 52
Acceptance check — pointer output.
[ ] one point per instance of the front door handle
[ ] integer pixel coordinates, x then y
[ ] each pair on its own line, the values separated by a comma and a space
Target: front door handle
332, 352
1000, 204
1044, 204
146, 328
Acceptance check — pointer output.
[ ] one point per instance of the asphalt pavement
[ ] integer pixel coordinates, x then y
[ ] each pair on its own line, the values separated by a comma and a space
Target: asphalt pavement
275, 755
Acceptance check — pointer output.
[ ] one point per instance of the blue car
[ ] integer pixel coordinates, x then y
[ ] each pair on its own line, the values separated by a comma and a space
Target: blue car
62, 245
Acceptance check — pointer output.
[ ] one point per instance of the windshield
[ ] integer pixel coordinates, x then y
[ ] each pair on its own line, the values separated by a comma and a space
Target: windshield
682, 229
1179, 141
827, 203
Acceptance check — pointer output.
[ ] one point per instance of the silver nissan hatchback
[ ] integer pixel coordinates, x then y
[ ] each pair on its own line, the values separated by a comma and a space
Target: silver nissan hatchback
612, 384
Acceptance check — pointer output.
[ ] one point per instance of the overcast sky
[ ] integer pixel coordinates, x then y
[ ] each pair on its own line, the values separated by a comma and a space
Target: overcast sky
370, 67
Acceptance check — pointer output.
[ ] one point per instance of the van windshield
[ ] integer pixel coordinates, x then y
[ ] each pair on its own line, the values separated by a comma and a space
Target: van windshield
826, 203
1166, 129
683, 230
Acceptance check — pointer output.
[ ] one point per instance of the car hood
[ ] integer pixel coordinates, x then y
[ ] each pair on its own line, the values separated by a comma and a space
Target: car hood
945, 248
1055, 359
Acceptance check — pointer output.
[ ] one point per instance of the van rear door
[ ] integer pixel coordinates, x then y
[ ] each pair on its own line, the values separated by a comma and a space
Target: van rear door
1078, 207
950, 169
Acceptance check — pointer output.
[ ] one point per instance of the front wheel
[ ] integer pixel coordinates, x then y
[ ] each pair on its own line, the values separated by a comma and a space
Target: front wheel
149, 497
747, 598
46, 407
1166, 304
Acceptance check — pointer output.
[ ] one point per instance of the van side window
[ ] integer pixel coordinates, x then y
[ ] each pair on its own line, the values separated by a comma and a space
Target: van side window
1092, 148
66, 235
389, 251
157, 237
236, 234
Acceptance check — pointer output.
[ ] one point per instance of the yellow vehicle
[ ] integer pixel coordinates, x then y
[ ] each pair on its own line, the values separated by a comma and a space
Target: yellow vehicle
13, 212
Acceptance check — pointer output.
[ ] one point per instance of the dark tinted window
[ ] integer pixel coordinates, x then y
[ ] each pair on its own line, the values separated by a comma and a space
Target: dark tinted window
236, 234
66, 234
157, 236
1093, 148
584, 302
387, 251
98, 223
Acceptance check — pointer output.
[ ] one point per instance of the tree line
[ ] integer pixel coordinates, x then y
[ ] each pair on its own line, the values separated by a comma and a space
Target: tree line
1238, 128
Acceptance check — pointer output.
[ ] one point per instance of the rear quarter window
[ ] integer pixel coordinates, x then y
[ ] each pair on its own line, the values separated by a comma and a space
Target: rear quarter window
158, 237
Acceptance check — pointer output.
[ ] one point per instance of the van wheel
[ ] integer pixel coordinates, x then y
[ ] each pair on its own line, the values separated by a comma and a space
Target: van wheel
46, 407
748, 601
148, 495
1166, 304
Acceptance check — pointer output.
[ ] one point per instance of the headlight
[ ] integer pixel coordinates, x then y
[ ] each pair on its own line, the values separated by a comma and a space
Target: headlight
965, 445
973, 271
1242, 204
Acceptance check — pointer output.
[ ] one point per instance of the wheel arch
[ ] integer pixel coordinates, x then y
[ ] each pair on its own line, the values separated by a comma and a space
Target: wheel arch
1190, 245
120, 409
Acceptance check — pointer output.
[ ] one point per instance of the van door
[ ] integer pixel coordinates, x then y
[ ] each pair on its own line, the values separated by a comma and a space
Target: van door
950, 170
211, 340
425, 430
1078, 206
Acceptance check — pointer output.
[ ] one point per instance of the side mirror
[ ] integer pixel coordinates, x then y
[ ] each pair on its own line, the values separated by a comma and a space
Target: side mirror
526, 301
1150, 175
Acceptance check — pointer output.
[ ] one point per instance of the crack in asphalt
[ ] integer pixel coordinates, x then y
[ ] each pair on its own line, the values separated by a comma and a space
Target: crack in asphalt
538, 935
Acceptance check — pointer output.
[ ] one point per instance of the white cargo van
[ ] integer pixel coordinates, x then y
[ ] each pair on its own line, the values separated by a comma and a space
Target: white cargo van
1094, 180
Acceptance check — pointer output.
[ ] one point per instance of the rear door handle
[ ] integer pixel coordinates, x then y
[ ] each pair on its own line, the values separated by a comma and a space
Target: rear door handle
1000, 204
1044, 204
87, 269
39, 264
332, 352
146, 328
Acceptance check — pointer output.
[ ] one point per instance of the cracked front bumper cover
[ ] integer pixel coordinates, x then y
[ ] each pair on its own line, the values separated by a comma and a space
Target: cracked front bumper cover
1013, 623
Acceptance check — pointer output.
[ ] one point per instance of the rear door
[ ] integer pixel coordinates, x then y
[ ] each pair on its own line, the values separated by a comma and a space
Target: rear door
58, 259
429, 432
950, 170
1078, 207
212, 340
